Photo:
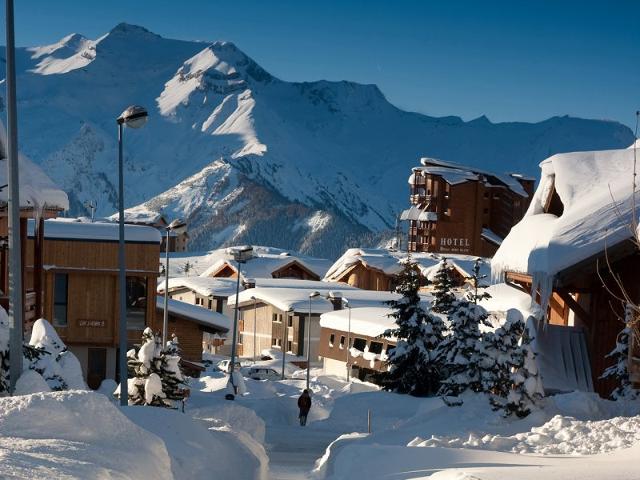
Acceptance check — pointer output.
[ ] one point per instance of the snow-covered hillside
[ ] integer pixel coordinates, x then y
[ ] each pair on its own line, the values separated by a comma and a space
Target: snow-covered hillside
245, 156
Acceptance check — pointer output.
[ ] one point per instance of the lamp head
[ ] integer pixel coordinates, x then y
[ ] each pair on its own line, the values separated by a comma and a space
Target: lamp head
240, 254
314, 294
134, 116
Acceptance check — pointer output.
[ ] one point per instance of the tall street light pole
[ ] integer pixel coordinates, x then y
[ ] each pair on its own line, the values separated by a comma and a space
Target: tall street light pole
240, 255
178, 226
255, 300
13, 206
311, 295
133, 117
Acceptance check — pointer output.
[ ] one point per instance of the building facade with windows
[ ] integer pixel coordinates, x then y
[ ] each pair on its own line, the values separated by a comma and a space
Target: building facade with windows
458, 209
79, 281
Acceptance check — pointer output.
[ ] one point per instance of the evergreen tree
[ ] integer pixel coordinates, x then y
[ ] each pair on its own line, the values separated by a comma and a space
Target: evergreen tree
154, 375
414, 364
509, 370
461, 350
478, 293
618, 371
443, 297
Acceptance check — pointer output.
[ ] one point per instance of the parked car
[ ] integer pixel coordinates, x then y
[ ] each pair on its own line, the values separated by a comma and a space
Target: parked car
263, 373
224, 365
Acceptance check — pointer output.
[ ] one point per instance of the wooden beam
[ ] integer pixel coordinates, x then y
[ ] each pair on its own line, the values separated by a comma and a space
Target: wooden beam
576, 307
516, 277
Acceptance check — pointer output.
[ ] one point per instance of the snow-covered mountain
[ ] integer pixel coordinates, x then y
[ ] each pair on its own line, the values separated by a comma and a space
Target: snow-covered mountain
245, 156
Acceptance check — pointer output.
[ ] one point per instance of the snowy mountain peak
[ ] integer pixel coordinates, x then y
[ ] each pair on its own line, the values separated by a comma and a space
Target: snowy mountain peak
134, 32
70, 53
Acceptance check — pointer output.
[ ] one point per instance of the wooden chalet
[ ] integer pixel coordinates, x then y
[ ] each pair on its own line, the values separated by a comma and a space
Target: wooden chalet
366, 353
79, 284
578, 257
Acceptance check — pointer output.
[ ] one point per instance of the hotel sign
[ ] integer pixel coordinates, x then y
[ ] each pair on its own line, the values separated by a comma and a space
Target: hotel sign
455, 244
91, 323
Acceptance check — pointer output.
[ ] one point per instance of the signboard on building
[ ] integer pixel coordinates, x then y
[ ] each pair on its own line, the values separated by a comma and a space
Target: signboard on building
455, 244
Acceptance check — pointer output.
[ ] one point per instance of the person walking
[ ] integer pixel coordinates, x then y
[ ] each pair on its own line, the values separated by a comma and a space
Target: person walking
304, 404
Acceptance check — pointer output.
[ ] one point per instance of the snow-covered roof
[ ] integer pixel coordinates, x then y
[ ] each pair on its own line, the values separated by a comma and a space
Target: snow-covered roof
199, 315
491, 236
63, 229
37, 190
140, 214
206, 286
454, 173
596, 192
390, 262
266, 260
297, 300
369, 321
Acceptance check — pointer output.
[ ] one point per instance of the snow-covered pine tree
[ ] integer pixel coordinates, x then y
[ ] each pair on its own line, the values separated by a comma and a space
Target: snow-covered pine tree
618, 371
478, 287
173, 381
414, 364
461, 350
443, 297
154, 376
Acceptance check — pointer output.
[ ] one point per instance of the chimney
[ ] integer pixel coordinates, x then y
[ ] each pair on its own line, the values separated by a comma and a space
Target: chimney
336, 300
249, 283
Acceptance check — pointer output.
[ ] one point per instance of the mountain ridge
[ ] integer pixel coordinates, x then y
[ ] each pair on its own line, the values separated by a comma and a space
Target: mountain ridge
330, 158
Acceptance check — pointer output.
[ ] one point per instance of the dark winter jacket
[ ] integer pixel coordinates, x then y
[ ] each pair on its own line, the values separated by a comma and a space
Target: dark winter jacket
304, 403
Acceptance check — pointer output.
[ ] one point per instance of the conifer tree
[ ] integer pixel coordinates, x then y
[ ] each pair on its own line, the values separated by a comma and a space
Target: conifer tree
443, 297
154, 375
414, 364
461, 350
618, 371
478, 293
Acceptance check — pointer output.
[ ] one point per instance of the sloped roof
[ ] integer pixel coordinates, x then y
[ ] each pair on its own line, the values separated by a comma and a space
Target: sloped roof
196, 314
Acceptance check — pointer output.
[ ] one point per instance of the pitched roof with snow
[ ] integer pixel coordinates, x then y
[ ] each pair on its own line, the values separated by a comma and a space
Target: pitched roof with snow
37, 190
369, 321
68, 229
390, 262
595, 189
196, 314
297, 300
454, 173
205, 286
266, 260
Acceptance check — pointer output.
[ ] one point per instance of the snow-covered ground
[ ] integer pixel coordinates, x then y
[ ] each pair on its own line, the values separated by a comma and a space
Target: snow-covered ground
81, 434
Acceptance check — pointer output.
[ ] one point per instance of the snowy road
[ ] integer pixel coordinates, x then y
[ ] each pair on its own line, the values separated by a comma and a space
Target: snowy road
293, 450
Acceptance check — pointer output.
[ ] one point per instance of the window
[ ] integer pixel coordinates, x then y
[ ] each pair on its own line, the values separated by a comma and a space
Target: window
290, 320
60, 299
332, 339
342, 340
273, 342
219, 305
359, 344
136, 302
210, 304
375, 347
289, 346
486, 195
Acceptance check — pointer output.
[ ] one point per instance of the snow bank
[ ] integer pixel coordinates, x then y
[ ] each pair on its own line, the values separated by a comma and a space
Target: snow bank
75, 435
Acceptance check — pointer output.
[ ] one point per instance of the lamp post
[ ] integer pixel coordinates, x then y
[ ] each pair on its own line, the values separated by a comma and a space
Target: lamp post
178, 226
254, 327
13, 207
240, 255
133, 117
285, 335
311, 295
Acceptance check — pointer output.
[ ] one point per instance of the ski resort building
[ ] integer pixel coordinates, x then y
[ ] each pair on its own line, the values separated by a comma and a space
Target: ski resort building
576, 252
458, 209
265, 264
354, 344
149, 218
376, 269
79, 284
277, 317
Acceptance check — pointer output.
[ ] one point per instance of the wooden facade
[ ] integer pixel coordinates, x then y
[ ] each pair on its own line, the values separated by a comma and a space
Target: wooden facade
336, 357
80, 292
586, 295
292, 269
366, 278
457, 215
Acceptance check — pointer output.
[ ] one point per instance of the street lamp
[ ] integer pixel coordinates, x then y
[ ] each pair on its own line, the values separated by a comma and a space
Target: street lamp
311, 295
285, 336
133, 117
178, 226
254, 327
240, 255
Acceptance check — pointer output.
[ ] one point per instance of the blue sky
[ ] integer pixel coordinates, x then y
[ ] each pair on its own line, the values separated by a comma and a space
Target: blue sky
519, 60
